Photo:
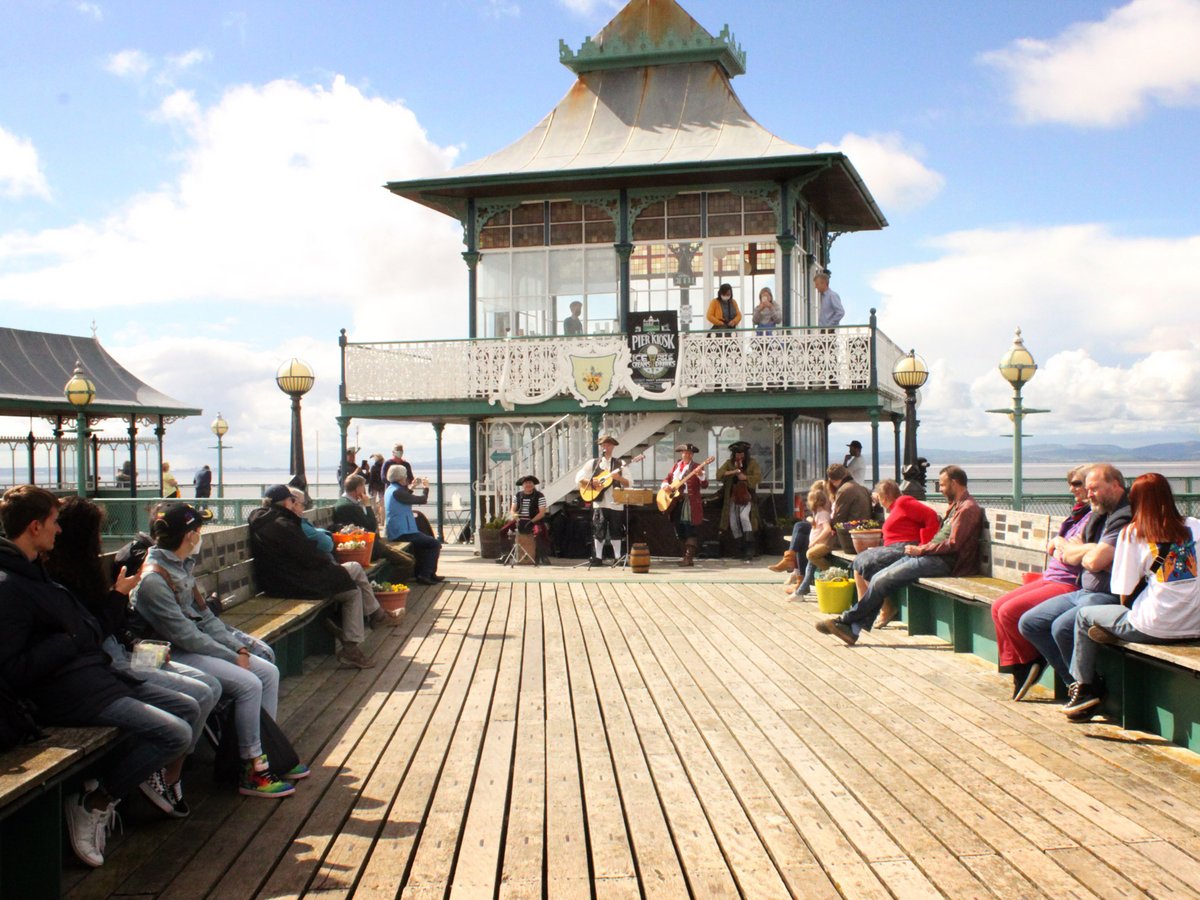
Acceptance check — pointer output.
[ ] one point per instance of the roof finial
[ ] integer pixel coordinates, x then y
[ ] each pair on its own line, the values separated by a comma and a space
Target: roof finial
94, 335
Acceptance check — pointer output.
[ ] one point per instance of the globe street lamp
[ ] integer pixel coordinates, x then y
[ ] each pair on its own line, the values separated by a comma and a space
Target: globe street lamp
1017, 367
295, 378
219, 426
911, 373
80, 393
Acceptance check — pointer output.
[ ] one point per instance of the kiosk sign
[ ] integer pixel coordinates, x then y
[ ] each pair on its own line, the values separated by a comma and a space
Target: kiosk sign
654, 348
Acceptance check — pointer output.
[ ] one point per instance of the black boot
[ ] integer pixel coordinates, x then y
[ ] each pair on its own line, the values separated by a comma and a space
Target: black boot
747, 548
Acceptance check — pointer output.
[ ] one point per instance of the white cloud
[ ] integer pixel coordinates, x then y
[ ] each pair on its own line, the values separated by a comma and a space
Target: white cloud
1107, 317
20, 169
186, 60
128, 64
1106, 73
91, 10
279, 202
501, 8
891, 169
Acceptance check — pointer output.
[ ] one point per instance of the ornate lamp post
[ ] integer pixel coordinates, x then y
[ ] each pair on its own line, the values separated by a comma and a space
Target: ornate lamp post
1017, 367
219, 426
295, 378
911, 373
80, 393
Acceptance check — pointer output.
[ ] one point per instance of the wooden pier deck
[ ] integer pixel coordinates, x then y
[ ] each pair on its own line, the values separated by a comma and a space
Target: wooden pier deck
671, 735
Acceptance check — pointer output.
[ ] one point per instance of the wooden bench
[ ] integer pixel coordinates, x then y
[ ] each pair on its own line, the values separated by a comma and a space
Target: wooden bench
1153, 688
36, 778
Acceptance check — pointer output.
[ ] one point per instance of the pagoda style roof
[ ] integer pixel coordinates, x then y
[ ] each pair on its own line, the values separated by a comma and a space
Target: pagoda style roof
652, 107
36, 365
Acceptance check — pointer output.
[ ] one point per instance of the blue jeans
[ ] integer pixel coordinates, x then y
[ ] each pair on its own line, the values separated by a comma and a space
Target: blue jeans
1050, 627
799, 542
160, 721
426, 549
875, 559
250, 689
886, 582
200, 686
1111, 618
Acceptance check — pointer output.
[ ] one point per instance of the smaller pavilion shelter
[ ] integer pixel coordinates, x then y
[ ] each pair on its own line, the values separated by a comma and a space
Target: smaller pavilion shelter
34, 368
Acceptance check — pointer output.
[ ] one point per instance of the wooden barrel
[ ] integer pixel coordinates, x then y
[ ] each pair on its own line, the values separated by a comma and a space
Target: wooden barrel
639, 558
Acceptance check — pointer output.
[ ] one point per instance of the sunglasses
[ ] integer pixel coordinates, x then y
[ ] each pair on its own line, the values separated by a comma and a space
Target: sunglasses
1075, 483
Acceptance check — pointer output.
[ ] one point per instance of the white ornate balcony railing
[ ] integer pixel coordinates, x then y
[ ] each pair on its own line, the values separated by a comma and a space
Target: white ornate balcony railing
530, 370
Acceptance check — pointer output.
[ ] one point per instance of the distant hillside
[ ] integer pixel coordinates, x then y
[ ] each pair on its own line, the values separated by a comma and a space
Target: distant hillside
1181, 451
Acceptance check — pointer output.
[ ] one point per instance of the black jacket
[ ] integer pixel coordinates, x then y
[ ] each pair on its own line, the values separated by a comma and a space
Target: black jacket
50, 645
286, 563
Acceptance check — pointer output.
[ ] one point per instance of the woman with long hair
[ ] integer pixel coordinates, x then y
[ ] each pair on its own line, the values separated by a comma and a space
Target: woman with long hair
767, 314
1154, 573
820, 540
77, 564
167, 604
740, 475
1018, 656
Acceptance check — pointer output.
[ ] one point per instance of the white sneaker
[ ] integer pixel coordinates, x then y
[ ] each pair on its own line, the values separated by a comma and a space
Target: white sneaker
89, 828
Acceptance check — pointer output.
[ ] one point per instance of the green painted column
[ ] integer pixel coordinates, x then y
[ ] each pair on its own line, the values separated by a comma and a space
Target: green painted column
438, 428
875, 446
624, 250
471, 258
343, 423
786, 239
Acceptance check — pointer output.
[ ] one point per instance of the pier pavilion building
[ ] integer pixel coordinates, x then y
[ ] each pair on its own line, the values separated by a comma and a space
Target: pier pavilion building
643, 190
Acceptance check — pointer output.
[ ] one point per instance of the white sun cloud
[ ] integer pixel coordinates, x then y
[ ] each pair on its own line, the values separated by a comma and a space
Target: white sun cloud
91, 10
893, 169
20, 169
128, 64
1100, 312
1106, 73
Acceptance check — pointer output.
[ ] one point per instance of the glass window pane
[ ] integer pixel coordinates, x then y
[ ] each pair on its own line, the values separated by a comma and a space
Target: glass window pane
529, 275
684, 205
529, 214
566, 272
760, 223
566, 233
647, 228
528, 236
494, 238
600, 232
494, 271
723, 202
504, 217
601, 271
596, 214
683, 227
755, 204
724, 225
565, 211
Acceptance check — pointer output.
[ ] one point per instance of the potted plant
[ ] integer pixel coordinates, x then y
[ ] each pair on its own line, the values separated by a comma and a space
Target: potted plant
393, 598
491, 541
865, 533
835, 590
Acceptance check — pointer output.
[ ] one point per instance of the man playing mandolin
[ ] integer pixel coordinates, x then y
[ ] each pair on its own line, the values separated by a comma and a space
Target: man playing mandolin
608, 516
686, 481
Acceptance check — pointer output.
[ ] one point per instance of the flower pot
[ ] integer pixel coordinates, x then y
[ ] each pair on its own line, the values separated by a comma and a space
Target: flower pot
393, 602
866, 538
490, 542
834, 597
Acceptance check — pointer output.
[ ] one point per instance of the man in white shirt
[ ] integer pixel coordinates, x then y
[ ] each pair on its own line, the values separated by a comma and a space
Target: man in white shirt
829, 304
608, 516
855, 463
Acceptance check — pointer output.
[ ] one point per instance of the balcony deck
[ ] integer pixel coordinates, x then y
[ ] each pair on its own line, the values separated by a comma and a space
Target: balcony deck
789, 368
563, 732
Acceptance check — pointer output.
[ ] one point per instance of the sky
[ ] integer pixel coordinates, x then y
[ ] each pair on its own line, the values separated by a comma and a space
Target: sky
203, 182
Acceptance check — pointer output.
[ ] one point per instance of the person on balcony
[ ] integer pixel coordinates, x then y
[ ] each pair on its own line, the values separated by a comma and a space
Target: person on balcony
573, 325
829, 304
723, 312
608, 516
767, 314
527, 515
740, 475
688, 510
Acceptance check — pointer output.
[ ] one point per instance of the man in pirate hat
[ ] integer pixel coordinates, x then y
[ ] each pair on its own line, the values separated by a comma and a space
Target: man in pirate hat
608, 516
688, 513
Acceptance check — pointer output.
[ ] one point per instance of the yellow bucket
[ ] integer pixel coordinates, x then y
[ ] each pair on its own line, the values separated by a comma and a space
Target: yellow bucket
834, 597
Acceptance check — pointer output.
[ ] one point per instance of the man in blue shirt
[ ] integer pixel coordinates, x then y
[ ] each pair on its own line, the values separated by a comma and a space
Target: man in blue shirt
401, 525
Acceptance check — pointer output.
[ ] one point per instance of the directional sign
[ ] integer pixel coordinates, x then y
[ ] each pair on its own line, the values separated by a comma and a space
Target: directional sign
501, 456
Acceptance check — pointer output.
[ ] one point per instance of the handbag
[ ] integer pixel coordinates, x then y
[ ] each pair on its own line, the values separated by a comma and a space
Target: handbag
227, 762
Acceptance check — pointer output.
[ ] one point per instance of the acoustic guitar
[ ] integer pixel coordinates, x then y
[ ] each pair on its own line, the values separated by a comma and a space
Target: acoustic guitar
667, 497
593, 490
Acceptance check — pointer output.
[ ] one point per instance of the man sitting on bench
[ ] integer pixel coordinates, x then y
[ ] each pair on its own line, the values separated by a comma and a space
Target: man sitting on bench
354, 508
527, 515
954, 550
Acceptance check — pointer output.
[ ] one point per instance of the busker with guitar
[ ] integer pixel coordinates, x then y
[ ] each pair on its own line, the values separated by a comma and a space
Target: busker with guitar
679, 496
527, 514
608, 516
740, 476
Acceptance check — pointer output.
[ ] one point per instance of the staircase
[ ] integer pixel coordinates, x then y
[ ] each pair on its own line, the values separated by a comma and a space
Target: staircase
556, 453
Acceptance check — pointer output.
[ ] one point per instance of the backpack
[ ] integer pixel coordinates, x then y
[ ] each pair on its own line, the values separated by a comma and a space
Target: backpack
17, 725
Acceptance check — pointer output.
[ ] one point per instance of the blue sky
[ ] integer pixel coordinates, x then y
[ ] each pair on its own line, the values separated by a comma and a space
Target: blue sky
202, 181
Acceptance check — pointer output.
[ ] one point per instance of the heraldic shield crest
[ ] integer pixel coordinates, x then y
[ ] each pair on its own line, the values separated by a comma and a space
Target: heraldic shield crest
593, 382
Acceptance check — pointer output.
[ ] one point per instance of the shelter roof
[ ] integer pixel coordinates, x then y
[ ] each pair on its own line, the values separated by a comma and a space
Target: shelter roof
35, 365
676, 122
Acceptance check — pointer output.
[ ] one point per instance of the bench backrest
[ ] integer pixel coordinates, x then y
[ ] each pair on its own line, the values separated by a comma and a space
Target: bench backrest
226, 565
1014, 542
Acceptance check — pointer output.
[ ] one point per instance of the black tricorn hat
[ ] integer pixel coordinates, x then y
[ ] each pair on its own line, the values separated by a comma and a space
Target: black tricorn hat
533, 478
686, 445
739, 447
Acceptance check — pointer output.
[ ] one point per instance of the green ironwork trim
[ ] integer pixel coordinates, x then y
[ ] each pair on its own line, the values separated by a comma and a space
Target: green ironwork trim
616, 53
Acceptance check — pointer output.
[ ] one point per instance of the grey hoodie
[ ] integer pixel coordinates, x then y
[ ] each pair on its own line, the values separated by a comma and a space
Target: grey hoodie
173, 615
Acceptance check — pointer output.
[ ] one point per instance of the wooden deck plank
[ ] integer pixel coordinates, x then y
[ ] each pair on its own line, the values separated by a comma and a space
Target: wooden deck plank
438, 849
402, 786
478, 866
611, 856
524, 842
659, 868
